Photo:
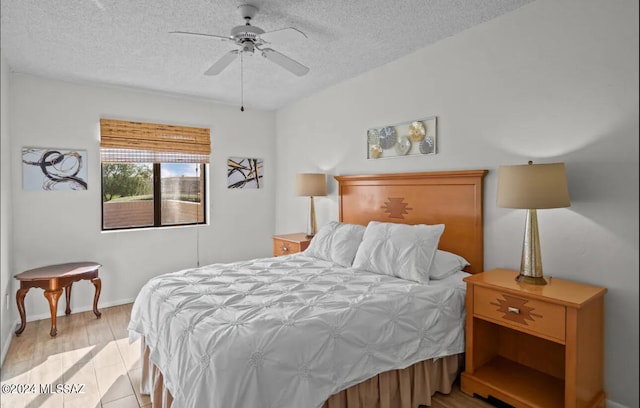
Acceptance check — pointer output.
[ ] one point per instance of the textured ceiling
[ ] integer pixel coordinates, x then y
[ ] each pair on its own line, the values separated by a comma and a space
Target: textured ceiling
127, 42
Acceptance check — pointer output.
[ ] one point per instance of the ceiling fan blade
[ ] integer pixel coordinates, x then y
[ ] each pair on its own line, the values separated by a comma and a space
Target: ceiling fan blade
202, 35
222, 63
284, 61
282, 35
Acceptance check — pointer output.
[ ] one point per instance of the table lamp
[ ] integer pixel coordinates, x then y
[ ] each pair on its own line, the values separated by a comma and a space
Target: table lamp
532, 187
310, 185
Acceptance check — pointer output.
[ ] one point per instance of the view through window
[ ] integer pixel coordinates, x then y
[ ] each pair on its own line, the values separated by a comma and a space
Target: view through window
180, 189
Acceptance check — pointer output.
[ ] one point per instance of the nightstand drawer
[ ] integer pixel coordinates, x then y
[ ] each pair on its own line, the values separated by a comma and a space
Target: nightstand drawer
286, 244
535, 316
282, 247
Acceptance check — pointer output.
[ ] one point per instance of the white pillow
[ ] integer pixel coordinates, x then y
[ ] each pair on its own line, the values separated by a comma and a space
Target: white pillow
446, 264
336, 242
401, 250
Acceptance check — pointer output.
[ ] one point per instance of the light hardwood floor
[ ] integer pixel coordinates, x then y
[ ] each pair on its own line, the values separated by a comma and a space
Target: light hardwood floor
97, 353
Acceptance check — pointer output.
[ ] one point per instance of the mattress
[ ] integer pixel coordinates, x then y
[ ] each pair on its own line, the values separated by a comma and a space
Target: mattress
289, 331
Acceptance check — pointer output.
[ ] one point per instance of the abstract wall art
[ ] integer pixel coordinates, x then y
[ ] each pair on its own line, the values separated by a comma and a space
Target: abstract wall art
49, 169
244, 172
417, 137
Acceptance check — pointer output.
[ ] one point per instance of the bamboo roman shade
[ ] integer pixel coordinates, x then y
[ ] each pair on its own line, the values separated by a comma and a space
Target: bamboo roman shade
139, 142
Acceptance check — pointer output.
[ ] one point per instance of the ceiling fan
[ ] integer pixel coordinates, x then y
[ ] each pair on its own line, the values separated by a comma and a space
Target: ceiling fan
250, 39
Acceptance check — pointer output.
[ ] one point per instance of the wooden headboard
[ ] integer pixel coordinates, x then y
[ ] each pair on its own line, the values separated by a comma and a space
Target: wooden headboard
452, 198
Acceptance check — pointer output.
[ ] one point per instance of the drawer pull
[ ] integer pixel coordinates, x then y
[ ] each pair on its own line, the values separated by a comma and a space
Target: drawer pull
284, 249
514, 310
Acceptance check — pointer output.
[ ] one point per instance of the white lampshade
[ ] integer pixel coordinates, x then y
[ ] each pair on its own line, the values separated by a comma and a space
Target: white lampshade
311, 184
533, 186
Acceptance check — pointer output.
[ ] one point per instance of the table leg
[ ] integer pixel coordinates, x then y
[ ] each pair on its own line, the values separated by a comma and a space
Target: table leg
22, 292
67, 291
53, 296
98, 284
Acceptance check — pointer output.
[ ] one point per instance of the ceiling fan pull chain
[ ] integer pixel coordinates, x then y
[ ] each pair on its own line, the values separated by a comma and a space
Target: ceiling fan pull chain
241, 82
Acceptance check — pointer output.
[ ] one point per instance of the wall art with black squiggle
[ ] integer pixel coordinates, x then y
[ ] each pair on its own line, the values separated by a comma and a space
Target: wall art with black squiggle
244, 172
53, 169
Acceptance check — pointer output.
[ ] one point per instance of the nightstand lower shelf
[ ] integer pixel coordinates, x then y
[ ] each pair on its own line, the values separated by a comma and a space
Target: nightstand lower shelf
525, 385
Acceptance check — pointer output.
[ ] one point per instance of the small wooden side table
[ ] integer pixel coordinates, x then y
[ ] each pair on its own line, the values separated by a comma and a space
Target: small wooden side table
285, 244
52, 279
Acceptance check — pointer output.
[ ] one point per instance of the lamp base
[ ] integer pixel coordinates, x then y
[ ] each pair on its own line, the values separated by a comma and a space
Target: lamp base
531, 261
531, 280
311, 220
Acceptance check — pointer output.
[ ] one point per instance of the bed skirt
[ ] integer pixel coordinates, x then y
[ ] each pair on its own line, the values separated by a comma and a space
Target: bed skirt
406, 388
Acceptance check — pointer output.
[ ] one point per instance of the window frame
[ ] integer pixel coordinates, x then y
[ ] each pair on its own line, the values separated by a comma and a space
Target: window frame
157, 201
156, 144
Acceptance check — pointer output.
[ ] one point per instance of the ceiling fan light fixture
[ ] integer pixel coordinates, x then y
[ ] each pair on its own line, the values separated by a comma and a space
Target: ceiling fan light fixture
248, 47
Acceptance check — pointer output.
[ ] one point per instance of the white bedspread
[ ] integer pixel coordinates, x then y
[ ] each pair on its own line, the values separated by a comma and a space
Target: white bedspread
289, 332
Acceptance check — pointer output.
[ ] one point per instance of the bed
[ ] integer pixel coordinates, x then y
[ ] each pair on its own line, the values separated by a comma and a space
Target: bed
341, 325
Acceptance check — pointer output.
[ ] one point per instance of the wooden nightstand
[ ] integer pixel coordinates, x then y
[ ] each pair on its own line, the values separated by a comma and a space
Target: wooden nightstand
531, 345
286, 244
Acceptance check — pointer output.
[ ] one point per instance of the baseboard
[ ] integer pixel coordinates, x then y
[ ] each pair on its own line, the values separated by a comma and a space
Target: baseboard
7, 341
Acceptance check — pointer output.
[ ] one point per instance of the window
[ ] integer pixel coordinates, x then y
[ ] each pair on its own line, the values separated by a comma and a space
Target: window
153, 175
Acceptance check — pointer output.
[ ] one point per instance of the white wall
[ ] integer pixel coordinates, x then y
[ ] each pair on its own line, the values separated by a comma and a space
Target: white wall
63, 226
551, 81
6, 259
